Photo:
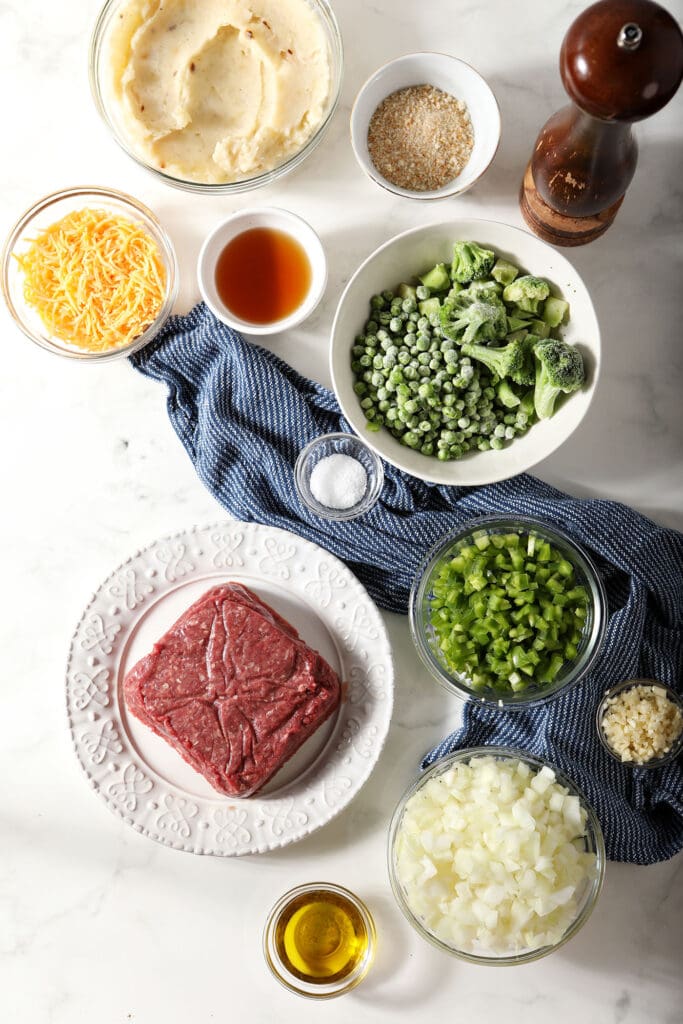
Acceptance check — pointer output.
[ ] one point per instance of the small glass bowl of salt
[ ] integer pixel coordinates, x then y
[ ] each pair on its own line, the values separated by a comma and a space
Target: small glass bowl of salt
338, 476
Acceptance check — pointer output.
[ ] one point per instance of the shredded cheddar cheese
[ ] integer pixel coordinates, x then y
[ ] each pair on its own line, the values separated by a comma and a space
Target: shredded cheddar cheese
96, 280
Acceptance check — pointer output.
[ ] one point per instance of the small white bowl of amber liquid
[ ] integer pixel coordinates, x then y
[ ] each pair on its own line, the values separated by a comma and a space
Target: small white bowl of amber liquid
319, 940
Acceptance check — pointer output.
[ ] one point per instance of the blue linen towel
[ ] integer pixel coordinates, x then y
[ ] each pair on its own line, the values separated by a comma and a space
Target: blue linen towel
243, 415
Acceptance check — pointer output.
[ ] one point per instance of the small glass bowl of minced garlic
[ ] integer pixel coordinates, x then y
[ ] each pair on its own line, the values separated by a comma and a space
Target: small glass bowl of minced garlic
640, 723
319, 940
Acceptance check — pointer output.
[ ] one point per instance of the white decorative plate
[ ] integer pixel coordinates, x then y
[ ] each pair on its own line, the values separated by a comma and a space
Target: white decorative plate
140, 777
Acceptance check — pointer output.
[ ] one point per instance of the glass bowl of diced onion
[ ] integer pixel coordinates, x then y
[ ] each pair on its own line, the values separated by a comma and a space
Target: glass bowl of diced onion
495, 857
156, 266
532, 539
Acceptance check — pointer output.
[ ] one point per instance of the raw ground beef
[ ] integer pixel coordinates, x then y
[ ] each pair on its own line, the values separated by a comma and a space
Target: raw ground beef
233, 689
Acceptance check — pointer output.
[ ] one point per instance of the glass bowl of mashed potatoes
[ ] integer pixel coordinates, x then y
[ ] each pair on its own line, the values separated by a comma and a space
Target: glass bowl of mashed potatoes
217, 97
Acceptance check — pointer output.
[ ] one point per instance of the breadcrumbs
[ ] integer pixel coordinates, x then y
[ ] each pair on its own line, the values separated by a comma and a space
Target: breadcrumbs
420, 138
641, 723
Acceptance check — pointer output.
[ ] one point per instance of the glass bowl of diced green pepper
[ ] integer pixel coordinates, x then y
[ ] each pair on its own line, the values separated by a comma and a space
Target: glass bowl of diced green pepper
508, 611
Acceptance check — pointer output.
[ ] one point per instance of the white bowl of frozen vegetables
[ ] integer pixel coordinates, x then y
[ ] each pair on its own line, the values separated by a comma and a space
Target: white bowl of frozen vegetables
411, 348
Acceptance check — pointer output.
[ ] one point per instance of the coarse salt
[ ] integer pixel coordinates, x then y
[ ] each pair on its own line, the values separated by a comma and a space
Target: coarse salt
338, 481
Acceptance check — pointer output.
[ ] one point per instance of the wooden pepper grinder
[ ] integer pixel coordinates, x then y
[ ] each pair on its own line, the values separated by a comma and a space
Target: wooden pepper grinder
621, 61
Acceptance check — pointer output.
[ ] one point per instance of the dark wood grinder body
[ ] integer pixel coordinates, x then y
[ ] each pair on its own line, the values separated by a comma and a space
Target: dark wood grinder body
621, 61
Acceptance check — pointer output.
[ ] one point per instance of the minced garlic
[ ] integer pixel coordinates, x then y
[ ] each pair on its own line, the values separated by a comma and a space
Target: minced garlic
641, 723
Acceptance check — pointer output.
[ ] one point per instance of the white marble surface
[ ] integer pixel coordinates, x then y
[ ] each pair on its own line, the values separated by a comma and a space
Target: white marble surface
100, 925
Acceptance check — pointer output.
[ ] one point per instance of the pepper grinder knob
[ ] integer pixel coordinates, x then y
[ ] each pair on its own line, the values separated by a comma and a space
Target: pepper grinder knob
621, 61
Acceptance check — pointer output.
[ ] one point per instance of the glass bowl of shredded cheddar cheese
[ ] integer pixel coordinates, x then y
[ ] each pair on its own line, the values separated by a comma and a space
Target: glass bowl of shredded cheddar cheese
89, 273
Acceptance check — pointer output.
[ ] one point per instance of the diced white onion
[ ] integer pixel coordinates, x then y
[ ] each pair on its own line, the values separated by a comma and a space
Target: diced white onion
490, 856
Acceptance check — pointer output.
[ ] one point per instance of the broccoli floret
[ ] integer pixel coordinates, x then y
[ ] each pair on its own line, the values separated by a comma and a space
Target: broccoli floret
513, 360
559, 370
466, 321
482, 291
527, 293
471, 262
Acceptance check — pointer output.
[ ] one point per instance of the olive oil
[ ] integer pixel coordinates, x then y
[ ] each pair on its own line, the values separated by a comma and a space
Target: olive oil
321, 937
263, 275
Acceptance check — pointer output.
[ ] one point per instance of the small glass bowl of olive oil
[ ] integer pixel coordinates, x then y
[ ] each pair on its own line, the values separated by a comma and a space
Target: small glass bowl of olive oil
319, 940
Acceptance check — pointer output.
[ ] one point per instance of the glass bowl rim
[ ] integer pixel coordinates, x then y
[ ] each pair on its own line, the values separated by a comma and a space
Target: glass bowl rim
629, 684
274, 915
579, 556
329, 19
370, 498
91, 194
593, 834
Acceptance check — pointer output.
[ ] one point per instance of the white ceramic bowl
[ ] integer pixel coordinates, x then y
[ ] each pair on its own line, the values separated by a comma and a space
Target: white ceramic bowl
265, 217
449, 74
414, 252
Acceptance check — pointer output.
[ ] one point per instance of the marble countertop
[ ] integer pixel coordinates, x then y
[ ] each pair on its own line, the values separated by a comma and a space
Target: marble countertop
99, 924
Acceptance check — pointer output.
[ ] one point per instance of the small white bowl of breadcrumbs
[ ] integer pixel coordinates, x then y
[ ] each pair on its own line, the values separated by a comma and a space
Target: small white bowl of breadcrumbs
425, 126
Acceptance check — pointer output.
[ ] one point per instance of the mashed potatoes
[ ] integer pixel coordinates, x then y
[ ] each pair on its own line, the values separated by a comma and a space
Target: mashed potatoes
218, 90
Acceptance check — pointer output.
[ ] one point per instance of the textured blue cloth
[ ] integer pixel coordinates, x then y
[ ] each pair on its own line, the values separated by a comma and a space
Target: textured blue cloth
243, 416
